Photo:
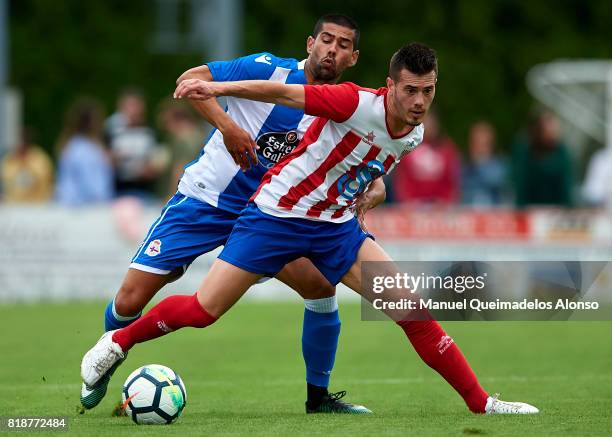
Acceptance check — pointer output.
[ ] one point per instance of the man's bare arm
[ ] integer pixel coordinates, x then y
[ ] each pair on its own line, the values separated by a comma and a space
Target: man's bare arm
238, 142
209, 109
260, 90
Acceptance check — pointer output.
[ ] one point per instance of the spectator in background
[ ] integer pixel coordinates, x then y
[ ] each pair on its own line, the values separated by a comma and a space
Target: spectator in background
130, 107
483, 176
84, 174
27, 172
431, 173
184, 138
136, 158
597, 187
542, 165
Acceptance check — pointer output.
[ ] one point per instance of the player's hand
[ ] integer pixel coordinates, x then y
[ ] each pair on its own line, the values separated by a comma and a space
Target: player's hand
240, 146
196, 89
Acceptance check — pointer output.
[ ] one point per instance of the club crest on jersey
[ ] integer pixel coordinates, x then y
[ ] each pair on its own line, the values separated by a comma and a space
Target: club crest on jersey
273, 146
349, 187
154, 248
369, 138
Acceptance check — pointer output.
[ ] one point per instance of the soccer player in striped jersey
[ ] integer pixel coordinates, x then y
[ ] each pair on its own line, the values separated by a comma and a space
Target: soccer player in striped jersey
303, 208
251, 136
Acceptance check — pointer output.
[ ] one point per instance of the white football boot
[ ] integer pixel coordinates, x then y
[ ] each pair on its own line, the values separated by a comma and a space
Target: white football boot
100, 359
497, 406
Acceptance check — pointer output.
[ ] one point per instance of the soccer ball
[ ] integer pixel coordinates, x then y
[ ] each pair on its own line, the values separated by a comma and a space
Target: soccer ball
154, 395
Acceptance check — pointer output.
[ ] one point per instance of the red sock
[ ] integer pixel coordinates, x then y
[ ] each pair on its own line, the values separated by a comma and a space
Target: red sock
440, 353
172, 313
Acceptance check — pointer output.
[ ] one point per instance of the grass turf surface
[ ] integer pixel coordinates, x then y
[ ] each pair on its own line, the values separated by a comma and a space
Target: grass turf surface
244, 375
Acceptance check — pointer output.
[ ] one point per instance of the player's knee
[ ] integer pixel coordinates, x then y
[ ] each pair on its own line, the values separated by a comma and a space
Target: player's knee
130, 300
319, 289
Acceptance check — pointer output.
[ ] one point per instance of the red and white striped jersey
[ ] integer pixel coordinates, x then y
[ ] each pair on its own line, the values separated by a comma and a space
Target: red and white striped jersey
345, 148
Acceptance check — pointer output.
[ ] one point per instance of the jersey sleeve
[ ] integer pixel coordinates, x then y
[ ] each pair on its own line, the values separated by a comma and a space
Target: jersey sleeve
335, 102
259, 66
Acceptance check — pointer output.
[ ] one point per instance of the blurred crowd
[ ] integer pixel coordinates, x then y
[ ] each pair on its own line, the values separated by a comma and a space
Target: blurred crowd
100, 158
538, 170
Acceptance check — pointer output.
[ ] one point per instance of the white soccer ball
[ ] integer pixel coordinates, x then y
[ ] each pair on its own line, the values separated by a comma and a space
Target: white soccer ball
154, 395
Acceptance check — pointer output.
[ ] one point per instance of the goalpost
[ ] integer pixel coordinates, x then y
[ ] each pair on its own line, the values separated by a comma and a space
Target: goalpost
3, 74
580, 92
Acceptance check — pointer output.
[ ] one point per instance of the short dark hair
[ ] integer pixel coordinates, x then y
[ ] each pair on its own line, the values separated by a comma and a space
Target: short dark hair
415, 57
340, 20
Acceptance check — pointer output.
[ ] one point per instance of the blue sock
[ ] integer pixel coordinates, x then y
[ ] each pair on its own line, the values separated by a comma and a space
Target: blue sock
112, 320
320, 339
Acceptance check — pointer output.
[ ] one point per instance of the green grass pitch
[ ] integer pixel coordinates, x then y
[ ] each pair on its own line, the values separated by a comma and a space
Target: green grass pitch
245, 375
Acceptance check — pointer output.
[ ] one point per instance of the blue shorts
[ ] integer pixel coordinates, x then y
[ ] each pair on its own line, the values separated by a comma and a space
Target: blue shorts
186, 229
262, 243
